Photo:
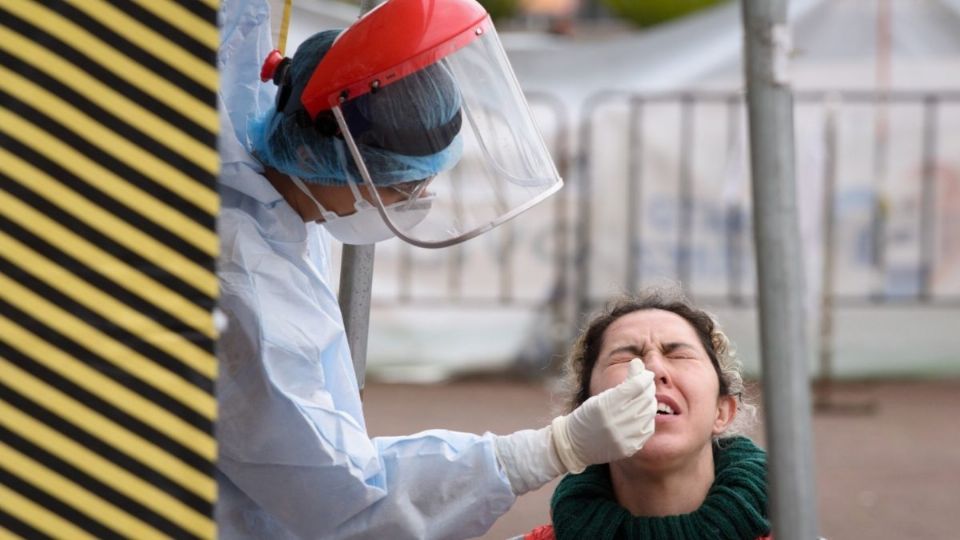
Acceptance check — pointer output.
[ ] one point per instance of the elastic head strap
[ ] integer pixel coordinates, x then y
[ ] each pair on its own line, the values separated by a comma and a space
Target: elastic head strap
327, 215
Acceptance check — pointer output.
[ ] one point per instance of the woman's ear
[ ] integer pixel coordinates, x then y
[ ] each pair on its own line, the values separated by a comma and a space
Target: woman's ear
726, 412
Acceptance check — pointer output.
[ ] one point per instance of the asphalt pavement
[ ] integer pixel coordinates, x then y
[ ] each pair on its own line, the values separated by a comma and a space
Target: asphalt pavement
887, 453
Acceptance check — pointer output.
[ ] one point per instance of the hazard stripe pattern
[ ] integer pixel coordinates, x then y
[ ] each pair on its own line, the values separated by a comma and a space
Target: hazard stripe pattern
108, 205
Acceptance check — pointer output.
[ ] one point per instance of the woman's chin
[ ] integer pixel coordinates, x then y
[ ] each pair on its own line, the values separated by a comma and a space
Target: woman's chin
667, 448
662, 446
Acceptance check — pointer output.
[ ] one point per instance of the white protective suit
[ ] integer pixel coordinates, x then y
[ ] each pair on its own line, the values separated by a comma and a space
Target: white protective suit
295, 459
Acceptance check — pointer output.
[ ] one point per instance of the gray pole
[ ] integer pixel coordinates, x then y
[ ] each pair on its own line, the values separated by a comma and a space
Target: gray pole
356, 284
367, 5
780, 271
824, 397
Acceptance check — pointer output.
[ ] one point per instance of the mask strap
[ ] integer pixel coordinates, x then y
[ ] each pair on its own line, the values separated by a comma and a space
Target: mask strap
358, 200
327, 215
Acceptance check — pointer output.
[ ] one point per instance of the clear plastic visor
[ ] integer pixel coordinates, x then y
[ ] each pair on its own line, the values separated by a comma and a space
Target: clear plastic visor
467, 105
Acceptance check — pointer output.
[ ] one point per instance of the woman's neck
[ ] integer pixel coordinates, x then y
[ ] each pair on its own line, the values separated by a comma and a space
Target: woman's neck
679, 489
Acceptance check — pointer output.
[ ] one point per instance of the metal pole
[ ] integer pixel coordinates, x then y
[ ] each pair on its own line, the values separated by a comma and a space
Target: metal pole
367, 5
635, 196
356, 283
881, 130
825, 394
793, 507
684, 253
584, 229
928, 199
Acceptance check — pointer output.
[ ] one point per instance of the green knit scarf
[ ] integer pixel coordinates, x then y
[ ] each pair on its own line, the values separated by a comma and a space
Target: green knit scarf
584, 505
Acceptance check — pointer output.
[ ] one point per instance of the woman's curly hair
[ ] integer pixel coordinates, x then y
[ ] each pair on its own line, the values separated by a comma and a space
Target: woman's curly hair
583, 356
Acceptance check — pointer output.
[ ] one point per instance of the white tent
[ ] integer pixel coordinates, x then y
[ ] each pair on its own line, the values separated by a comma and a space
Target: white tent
834, 47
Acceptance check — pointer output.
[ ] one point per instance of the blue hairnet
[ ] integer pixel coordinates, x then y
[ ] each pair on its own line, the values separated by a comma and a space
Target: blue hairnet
424, 106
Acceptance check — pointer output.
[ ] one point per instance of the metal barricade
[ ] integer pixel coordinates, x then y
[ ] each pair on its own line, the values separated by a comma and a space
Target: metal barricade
650, 176
727, 218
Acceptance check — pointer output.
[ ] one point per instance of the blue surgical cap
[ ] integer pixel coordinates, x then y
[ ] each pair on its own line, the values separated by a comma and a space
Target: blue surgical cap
424, 106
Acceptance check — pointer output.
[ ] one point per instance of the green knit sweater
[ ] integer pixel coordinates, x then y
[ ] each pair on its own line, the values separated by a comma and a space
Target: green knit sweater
584, 505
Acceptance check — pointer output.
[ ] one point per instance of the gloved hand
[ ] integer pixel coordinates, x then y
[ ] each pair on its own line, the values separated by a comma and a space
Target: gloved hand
612, 425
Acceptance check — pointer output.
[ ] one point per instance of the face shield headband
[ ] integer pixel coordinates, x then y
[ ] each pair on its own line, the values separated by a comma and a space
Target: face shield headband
366, 131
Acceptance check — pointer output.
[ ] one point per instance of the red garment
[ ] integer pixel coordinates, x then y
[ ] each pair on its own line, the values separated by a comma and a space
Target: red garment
545, 532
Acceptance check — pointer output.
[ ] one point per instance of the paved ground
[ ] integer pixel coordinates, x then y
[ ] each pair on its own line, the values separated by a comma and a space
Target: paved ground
892, 472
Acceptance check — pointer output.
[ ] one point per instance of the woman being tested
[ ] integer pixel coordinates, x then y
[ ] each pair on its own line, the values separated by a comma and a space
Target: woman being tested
697, 477
410, 124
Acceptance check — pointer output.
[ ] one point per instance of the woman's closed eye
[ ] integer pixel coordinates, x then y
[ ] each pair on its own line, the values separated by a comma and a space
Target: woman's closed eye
680, 351
624, 354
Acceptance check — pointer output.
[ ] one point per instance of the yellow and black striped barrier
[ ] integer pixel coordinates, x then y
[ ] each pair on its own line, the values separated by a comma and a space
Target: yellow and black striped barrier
108, 203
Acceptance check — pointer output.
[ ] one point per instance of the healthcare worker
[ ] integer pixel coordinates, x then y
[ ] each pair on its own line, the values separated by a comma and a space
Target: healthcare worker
408, 123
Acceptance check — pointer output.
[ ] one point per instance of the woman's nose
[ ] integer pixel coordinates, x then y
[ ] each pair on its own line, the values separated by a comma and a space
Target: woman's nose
653, 361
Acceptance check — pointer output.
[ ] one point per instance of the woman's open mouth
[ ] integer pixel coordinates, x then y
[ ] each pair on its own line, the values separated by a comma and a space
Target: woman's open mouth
666, 406
663, 408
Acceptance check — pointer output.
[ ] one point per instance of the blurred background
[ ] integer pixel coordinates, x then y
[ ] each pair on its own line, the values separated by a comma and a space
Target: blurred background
641, 103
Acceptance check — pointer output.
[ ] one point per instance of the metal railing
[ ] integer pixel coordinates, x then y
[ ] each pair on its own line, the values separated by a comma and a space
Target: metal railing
735, 216
560, 242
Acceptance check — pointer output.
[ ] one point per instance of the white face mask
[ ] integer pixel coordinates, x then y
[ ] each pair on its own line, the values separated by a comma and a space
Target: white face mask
365, 226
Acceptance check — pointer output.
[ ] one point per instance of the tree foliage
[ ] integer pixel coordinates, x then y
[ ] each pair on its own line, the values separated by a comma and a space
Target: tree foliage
651, 12
501, 9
